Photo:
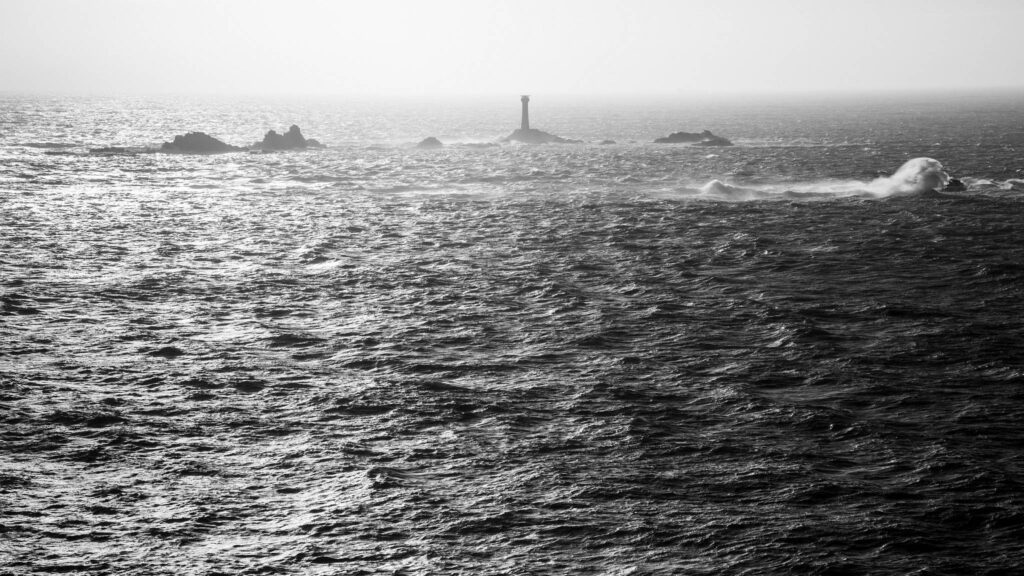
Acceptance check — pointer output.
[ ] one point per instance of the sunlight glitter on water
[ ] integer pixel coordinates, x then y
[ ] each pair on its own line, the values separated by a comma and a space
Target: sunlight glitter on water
497, 359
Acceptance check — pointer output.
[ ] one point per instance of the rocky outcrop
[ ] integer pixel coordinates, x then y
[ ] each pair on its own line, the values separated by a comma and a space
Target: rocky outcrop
430, 142
197, 143
534, 136
955, 185
705, 138
290, 140
202, 143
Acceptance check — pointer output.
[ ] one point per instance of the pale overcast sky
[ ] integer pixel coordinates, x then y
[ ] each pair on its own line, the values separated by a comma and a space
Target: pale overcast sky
423, 47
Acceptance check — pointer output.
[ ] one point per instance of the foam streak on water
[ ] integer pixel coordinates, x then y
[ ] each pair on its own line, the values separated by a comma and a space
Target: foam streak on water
505, 361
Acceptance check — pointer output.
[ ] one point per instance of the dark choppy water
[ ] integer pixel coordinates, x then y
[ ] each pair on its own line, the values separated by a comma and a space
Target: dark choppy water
552, 360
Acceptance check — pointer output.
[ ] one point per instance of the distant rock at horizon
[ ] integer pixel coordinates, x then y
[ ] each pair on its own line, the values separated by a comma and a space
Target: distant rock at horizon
290, 140
534, 136
197, 143
202, 143
430, 142
705, 138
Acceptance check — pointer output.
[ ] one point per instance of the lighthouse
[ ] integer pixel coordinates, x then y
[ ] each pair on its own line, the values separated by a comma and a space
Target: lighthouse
528, 135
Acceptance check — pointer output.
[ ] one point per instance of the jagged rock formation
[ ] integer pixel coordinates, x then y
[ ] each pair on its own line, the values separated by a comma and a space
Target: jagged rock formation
202, 143
197, 143
290, 140
430, 142
705, 138
534, 136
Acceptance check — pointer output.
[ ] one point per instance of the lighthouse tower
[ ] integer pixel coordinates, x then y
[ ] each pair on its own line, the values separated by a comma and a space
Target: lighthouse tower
528, 135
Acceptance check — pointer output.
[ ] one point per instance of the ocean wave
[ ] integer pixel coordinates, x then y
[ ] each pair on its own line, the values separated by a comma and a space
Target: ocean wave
918, 176
1013, 184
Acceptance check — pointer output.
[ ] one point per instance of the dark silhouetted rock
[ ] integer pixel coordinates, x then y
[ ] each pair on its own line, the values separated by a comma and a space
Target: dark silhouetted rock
534, 136
167, 352
955, 185
430, 142
290, 140
197, 143
201, 143
705, 138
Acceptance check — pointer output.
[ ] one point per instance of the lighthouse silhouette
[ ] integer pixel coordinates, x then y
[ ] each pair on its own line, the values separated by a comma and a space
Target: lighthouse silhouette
528, 135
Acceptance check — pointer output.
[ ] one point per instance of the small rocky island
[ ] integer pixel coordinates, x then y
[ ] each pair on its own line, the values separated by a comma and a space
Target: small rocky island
534, 136
430, 142
528, 135
955, 185
202, 143
290, 140
705, 138
197, 143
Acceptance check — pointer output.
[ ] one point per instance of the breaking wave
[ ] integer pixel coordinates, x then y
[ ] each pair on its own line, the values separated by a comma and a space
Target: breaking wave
916, 176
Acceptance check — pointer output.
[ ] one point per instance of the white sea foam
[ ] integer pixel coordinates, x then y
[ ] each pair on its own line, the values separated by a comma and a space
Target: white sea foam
1013, 184
916, 176
721, 190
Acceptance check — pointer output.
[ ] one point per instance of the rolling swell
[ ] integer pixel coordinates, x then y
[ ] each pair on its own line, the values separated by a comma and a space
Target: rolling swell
440, 384
539, 360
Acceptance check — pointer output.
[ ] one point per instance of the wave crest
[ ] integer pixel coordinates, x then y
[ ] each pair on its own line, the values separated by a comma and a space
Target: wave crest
916, 176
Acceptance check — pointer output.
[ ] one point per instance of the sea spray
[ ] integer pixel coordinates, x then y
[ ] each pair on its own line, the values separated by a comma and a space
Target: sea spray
720, 190
916, 176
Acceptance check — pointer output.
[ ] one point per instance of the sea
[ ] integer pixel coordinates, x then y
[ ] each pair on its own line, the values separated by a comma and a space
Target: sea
800, 354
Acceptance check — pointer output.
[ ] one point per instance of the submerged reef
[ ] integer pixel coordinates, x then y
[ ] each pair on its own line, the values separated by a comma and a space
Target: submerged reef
705, 138
116, 151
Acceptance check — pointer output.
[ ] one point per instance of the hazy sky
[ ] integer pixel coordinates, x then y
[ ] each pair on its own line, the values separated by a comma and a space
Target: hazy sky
442, 47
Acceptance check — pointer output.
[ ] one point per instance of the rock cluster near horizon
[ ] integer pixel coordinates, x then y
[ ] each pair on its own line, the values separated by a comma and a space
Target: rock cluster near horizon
202, 143
705, 138
197, 143
290, 140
